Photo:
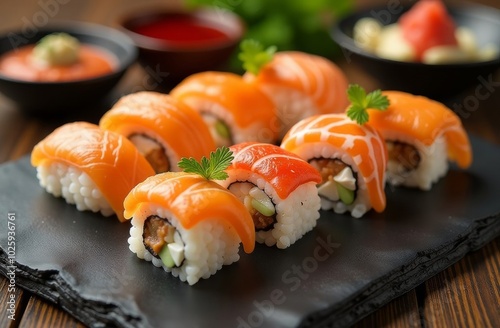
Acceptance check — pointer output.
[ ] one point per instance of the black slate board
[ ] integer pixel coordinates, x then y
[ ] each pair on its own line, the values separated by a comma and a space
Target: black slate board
339, 272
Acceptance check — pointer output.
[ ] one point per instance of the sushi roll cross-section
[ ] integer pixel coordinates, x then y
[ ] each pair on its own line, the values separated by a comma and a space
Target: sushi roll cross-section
300, 84
234, 111
279, 190
422, 135
163, 129
89, 167
350, 156
186, 223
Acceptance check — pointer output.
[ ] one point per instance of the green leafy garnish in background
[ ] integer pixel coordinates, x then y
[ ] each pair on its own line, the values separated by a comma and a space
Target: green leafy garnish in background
360, 102
212, 168
254, 56
302, 25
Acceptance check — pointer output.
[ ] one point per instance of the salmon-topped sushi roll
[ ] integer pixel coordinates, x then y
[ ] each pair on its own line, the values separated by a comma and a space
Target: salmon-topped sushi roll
89, 167
350, 155
422, 135
163, 129
351, 159
234, 111
188, 225
300, 84
279, 190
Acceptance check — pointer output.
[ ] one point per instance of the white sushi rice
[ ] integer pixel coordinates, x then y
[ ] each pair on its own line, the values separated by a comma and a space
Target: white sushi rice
362, 202
291, 105
433, 163
74, 185
208, 245
258, 131
295, 215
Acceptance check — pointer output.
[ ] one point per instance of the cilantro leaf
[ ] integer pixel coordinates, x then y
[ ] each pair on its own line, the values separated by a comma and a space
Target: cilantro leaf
212, 168
377, 100
254, 56
358, 114
361, 102
356, 94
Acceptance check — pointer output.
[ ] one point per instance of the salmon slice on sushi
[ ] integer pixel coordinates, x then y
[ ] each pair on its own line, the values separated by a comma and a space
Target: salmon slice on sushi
187, 224
234, 111
279, 190
163, 129
89, 167
299, 84
350, 157
422, 136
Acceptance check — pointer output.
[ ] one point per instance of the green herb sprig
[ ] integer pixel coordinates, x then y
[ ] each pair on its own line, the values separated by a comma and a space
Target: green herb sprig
212, 168
254, 56
361, 102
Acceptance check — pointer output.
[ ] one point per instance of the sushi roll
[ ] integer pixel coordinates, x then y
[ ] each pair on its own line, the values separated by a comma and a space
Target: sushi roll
299, 84
422, 135
89, 167
279, 190
163, 129
233, 110
351, 159
188, 225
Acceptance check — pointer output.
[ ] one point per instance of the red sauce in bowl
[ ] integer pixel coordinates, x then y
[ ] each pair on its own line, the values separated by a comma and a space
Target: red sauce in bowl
182, 30
92, 62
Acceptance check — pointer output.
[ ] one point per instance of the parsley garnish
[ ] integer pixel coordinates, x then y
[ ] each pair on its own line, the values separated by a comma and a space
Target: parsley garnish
212, 168
360, 102
254, 56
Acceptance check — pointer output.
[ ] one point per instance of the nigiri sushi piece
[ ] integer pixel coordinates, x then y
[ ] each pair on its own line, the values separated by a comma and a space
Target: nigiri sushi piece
234, 110
350, 157
279, 190
163, 129
89, 167
187, 225
422, 135
300, 84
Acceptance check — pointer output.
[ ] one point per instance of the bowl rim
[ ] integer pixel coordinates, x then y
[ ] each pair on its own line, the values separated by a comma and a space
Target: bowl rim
236, 27
347, 42
80, 28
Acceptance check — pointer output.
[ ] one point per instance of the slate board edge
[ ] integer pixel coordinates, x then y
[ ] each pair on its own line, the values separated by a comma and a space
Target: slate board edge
51, 286
402, 280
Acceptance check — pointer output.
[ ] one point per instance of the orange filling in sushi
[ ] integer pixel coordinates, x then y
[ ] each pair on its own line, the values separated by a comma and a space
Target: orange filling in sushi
406, 156
152, 150
163, 241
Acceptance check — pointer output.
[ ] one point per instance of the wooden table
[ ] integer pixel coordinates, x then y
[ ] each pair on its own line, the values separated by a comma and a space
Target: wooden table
467, 294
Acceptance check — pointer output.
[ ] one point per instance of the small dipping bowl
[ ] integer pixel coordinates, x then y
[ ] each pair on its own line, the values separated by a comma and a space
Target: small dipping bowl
437, 81
67, 97
175, 44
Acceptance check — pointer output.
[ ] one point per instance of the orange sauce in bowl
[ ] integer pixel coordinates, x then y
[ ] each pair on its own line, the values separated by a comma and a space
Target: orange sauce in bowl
92, 62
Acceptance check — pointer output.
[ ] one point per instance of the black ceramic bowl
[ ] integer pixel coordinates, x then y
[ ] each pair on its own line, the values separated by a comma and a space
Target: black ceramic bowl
418, 78
170, 62
60, 98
